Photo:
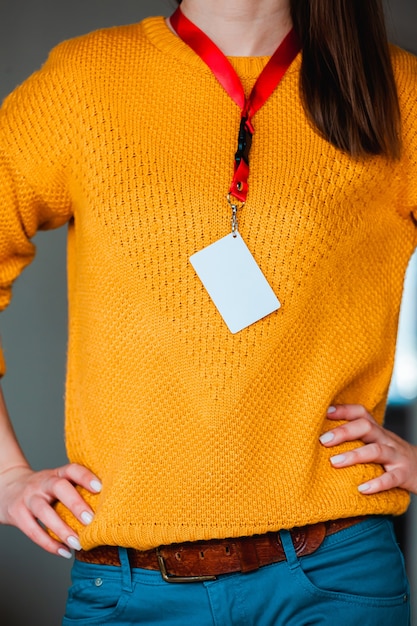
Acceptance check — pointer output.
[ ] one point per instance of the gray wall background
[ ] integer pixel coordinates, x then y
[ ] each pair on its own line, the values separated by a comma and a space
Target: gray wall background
32, 583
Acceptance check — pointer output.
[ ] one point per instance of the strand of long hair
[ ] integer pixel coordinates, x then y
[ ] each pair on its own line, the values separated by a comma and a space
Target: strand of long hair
347, 81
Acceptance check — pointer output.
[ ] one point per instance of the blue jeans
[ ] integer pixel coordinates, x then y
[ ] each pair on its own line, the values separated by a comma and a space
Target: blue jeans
356, 577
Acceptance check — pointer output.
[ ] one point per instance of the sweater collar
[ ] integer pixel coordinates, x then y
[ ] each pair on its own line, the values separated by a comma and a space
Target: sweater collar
160, 36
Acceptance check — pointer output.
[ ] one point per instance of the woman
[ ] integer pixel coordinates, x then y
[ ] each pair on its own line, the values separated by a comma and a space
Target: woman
236, 451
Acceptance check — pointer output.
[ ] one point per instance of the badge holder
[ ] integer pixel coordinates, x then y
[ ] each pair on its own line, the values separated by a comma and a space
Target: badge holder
234, 280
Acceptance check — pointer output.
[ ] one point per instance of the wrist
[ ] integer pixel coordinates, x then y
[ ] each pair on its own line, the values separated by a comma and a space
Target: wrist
23, 465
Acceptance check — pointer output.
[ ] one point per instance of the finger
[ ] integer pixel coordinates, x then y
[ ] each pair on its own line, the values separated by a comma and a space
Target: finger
388, 480
370, 453
348, 412
45, 514
80, 475
60, 489
360, 429
31, 528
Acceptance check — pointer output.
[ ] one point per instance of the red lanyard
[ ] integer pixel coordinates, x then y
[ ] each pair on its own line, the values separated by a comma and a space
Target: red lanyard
268, 80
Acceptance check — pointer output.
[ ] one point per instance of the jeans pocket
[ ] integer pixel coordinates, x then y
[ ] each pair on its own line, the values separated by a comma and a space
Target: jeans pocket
95, 597
362, 564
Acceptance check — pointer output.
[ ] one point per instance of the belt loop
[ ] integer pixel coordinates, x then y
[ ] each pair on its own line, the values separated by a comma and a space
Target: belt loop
126, 569
289, 549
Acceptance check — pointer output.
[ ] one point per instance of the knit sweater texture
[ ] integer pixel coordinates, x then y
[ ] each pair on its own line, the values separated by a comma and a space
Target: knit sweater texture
125, 136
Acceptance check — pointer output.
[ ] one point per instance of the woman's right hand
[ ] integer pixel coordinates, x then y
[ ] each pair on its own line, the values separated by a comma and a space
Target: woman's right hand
27, 498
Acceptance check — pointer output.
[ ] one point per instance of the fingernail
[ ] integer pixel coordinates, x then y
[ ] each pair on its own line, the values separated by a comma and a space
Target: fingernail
86, 517
65, 553
331, 409
338, 458
364, 487
74, 543
327, 437
96, 485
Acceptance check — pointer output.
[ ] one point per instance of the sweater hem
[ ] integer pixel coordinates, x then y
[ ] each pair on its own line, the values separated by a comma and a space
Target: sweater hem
146, 536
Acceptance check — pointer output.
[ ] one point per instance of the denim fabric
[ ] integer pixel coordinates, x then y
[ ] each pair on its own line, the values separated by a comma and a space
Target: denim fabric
357, 576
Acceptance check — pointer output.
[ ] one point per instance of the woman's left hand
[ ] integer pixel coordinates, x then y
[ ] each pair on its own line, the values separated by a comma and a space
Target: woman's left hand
397, 456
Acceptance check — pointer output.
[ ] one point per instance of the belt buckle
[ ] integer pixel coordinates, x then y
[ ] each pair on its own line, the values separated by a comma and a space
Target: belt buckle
179, 579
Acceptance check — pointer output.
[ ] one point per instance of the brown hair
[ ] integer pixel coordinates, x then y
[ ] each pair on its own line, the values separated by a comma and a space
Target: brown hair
347, 82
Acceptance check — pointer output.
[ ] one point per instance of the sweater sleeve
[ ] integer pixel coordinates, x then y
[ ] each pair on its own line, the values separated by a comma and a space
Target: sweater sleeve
407, 91
410, 148
35, 143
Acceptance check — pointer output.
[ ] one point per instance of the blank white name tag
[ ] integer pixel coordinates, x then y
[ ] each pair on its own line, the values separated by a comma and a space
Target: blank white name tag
234, 282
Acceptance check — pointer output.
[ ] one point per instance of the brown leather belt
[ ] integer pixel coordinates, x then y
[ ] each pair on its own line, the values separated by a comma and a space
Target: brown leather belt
204, 560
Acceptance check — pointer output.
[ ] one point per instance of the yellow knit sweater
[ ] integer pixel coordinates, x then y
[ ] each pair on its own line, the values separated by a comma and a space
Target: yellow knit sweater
127, 137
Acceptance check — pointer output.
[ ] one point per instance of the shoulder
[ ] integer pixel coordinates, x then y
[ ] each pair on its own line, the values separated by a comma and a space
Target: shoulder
405, 69
97, 57
115, 44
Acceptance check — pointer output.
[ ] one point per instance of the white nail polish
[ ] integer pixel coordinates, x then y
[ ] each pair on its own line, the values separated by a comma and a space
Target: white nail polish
64, 553
331, 409
338, 458
86, 517
74, 543
364, 487
327, 437
96, 485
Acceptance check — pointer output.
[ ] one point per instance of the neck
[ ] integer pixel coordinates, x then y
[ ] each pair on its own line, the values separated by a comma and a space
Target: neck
241, 27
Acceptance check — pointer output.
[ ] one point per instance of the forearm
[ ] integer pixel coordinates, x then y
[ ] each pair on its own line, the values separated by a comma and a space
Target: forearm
27, 497
11, 454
